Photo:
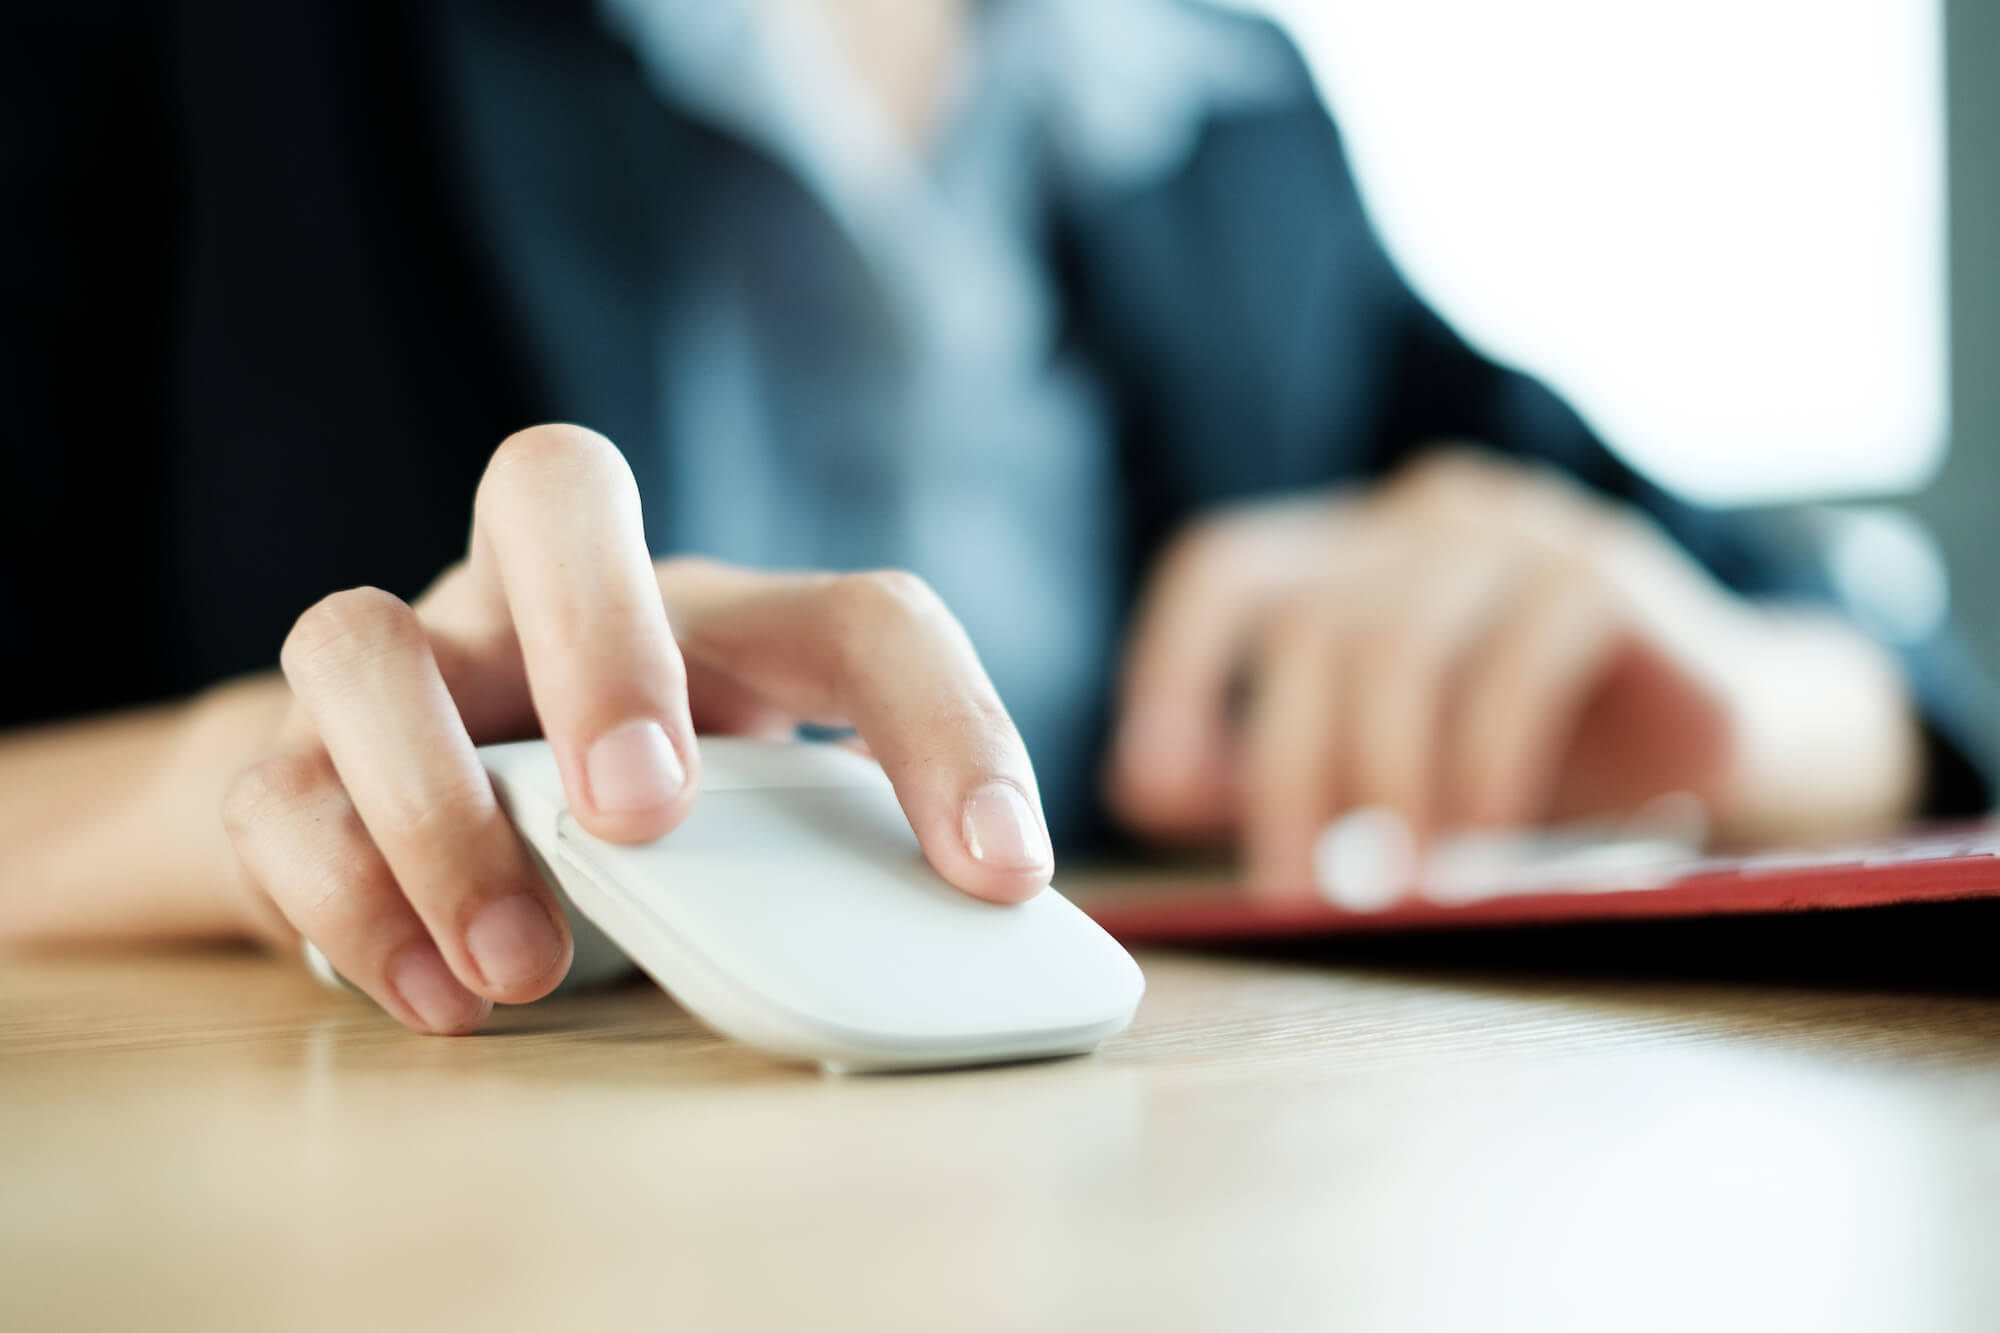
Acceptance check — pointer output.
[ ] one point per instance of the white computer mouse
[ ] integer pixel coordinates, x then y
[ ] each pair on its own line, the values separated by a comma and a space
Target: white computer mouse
794, 912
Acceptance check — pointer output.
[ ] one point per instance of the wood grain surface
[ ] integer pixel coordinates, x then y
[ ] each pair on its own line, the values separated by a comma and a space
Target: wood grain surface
210, 1141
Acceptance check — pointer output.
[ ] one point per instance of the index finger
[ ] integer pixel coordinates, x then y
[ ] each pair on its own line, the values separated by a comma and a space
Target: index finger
559, 562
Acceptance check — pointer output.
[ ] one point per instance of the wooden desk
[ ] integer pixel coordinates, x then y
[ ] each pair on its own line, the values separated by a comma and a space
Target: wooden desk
212, 1142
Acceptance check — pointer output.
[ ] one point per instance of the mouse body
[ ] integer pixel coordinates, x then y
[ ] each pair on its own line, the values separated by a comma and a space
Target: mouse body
794, 911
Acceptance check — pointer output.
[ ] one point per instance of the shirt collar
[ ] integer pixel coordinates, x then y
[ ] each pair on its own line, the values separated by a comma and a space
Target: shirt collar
1123, 86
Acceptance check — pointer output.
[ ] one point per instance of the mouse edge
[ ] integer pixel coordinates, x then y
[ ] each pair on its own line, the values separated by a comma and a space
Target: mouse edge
725, 1006
529, 787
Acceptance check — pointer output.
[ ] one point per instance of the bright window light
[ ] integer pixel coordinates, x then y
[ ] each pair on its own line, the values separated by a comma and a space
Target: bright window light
1716, 226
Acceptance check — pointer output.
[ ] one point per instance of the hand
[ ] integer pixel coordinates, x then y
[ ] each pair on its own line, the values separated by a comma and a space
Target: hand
372, 830
1477, 644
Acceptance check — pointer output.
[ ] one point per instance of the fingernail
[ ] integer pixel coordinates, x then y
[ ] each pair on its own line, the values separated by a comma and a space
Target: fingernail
1002, 832
423, 983
634, 767
1364, 860
513, 940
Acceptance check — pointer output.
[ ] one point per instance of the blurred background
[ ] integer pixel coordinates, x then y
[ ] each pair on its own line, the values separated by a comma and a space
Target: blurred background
1749, 239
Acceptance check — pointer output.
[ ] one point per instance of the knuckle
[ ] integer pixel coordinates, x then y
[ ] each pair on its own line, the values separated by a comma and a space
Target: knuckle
1390, 647
1461, 486
1609, 529
270, 790
1299, 630
980, 730
1449, 470
1208, 545
1572, 583
1302, 625
347, 892
1201, 540
444, 813
877, 598
350, 625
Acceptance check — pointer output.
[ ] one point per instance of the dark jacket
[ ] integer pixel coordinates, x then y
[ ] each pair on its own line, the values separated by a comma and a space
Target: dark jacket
278, 277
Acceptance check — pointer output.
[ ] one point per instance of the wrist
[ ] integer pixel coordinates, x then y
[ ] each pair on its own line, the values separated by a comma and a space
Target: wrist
226, 729
115, 832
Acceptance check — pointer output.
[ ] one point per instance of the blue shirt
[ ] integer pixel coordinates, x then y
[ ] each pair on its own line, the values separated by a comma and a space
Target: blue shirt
869, 366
